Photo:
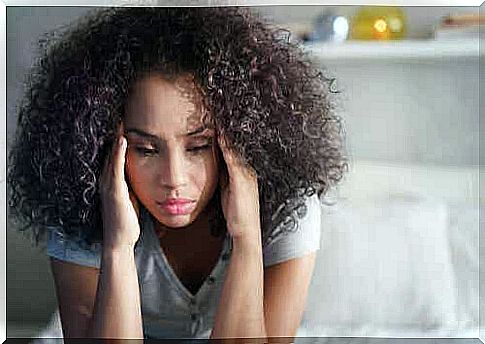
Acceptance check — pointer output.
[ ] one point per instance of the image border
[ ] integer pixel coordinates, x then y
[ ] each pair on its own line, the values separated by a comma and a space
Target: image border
101, 3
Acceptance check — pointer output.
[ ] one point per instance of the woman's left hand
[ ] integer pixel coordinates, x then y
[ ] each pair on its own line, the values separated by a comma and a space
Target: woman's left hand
239, 196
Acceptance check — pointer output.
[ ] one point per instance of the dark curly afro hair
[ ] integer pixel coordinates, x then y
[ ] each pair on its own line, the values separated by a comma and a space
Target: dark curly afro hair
263, 92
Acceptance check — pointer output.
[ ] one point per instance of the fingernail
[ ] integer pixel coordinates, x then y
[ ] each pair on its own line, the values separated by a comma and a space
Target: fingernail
121, 141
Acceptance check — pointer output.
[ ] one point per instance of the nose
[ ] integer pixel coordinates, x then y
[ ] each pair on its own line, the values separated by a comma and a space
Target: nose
174, 174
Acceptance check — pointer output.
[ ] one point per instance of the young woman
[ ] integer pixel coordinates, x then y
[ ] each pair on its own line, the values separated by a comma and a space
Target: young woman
175, 159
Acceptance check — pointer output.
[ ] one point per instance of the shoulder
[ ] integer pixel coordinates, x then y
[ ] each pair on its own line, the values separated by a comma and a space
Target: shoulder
79, 251
305, 237
67, 249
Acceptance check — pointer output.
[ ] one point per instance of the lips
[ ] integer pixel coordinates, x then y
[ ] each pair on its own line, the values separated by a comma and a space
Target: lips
177, 206
175, 201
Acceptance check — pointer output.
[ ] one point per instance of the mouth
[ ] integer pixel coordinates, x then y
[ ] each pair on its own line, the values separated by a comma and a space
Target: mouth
177, 206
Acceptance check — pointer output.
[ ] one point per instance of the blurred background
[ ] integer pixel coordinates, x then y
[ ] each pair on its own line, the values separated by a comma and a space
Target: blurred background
399, 251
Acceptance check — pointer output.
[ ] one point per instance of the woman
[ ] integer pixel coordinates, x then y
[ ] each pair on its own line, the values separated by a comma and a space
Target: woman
175, 158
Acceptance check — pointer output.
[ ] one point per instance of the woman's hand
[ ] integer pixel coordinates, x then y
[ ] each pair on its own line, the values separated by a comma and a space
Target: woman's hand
239, 196
120, 209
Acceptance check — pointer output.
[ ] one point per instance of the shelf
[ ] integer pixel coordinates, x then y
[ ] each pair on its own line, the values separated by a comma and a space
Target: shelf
396, 50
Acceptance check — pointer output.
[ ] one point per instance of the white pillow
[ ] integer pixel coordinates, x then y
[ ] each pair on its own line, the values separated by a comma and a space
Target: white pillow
383, 270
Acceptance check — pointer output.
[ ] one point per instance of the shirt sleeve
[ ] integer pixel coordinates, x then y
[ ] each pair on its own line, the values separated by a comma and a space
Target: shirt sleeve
305, 239
69, 251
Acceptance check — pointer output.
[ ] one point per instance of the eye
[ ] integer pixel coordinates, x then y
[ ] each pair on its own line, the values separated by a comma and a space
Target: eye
145, 151
199, 148
200, 145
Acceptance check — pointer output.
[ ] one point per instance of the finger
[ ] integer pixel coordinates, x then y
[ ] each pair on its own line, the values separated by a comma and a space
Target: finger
227, 154
119, 159
121, 129
234, 164
118, 154
107, 165
132, 195
134, 201
224, 148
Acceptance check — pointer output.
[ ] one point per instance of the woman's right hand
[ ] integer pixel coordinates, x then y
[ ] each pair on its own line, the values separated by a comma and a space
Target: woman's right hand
120, 209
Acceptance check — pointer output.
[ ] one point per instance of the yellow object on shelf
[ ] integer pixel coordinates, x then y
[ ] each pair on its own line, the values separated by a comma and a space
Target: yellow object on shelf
378, 23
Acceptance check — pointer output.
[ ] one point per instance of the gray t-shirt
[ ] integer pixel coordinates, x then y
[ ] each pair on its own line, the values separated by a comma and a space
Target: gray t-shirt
169, 310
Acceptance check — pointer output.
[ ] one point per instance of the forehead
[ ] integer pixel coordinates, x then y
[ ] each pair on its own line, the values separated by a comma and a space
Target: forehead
168, 107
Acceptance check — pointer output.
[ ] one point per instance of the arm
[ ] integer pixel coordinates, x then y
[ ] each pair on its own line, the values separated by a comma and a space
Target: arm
290, 262
240, 310
108, 302
240, 314
288, 281
99, 303
76, 293
117, 310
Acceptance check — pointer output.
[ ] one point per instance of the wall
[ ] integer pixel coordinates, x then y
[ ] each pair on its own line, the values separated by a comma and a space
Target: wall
420, 112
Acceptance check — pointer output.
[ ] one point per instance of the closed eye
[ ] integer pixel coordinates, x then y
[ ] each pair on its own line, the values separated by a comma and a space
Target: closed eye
145, 151
199, 148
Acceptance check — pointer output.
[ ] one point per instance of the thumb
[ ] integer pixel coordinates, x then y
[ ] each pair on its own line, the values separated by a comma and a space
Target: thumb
134, 201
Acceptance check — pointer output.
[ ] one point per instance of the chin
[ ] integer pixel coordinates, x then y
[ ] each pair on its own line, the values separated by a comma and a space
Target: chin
176, 221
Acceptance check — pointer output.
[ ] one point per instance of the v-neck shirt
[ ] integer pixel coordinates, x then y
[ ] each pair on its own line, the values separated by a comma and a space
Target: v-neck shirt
169, 309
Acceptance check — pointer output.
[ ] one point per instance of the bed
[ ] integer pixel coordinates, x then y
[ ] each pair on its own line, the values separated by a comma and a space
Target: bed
398, 257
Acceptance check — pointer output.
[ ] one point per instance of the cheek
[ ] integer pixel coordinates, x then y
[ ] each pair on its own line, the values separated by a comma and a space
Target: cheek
135, 171
204, 172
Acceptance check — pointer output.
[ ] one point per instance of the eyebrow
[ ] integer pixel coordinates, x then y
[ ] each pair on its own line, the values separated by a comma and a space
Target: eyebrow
142, 133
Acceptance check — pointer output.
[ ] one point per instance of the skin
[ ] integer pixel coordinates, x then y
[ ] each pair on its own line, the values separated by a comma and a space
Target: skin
179, 160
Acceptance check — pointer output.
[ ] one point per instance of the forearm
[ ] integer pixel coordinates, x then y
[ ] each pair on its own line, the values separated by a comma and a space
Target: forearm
240, 311
117, 311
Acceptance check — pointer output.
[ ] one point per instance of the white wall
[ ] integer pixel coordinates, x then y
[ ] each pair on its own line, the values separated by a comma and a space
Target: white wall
420, 112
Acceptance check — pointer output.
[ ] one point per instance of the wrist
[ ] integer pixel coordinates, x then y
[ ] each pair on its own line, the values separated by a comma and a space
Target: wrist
242, 230
118, 250
117, 259
248, 238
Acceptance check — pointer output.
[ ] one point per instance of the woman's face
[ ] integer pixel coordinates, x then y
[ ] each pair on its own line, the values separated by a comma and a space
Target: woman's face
172, 162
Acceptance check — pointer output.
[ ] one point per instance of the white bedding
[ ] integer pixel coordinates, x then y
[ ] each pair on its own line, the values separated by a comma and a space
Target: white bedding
399, 255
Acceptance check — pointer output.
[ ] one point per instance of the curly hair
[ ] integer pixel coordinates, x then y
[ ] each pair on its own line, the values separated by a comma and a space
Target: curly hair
275, 107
